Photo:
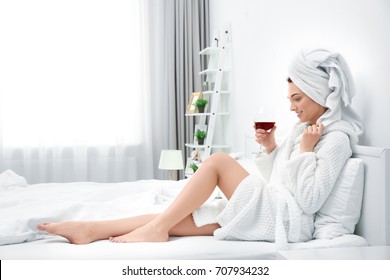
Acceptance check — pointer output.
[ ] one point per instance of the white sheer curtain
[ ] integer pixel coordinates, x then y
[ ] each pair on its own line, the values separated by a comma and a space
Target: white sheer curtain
75, 103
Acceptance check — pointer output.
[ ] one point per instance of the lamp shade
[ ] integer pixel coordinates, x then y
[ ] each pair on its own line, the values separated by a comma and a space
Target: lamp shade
171, 160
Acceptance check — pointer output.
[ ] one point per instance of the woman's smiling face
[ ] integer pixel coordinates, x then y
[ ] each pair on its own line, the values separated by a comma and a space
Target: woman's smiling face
306, 109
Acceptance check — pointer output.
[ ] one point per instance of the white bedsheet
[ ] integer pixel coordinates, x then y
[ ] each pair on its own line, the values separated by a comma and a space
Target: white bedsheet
22, 208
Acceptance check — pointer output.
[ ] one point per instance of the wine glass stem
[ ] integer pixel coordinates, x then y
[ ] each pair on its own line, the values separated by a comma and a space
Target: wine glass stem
261, 149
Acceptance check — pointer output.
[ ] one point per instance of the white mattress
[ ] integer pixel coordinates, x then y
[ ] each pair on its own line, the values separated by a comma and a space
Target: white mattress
178, 248
22, 208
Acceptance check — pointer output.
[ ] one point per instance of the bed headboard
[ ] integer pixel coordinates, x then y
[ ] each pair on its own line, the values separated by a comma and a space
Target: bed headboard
374, 224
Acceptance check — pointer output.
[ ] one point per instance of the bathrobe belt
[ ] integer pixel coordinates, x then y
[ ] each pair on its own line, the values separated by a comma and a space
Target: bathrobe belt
285, 201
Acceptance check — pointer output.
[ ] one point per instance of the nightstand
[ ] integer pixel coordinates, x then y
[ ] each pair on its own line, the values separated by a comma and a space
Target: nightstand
349, 253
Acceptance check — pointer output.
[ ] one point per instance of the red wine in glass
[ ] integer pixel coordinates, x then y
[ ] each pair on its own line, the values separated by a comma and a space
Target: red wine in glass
264, 119
264, 125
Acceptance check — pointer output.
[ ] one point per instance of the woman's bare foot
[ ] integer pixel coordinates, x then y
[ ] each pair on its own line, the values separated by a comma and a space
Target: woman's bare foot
75, 232
146, 233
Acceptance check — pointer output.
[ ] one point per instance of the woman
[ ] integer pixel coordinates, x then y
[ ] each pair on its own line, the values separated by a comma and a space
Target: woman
297, 176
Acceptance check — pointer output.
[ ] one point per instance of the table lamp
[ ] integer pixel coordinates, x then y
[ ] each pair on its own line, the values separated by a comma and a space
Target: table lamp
171, 160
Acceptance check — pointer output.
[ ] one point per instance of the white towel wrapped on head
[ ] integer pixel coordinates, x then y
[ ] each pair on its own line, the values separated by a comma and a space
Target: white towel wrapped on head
325, 77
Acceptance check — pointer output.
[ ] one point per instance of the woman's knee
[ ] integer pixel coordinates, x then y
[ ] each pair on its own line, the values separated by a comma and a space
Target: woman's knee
219, 161
218, 158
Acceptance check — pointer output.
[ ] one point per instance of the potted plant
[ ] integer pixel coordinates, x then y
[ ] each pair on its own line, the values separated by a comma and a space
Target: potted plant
194, 167
201, 104
200, 136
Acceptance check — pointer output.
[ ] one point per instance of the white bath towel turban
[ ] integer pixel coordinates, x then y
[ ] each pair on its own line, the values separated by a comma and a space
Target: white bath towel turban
325, 77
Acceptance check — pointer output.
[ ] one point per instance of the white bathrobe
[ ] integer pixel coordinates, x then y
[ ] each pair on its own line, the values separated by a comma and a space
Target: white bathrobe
280, 206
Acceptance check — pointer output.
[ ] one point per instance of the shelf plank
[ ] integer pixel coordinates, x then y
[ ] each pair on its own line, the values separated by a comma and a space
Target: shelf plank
207, 114
208, 71
212, 71
213, 92
209, 51
193, 146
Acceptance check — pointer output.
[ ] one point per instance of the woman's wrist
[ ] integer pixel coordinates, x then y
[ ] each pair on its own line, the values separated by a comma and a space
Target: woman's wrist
270, 149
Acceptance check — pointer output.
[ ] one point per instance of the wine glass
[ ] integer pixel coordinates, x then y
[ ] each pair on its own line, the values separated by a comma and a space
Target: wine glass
264, 119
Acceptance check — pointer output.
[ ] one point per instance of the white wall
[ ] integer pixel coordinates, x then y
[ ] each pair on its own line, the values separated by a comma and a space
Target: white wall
265, 34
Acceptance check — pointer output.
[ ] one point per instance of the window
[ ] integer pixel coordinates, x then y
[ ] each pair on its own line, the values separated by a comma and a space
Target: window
70, 73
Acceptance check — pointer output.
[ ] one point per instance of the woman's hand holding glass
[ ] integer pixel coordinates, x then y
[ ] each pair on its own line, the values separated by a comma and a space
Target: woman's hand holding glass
264, 125
266, 138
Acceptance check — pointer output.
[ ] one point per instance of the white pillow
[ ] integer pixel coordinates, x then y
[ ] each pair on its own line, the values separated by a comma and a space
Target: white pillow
341, 211
9, 178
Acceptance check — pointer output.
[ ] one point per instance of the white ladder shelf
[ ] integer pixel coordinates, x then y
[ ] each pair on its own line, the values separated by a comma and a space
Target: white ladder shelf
215, 77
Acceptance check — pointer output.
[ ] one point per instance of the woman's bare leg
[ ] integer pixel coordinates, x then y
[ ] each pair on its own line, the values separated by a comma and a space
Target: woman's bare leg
185, 227
84, 232
218, 170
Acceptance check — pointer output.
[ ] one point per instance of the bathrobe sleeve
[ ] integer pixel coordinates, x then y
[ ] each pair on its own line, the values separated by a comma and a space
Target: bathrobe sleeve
265, 162
311, 176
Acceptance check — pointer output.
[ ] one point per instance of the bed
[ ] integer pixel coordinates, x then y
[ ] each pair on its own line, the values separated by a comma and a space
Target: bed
23, 207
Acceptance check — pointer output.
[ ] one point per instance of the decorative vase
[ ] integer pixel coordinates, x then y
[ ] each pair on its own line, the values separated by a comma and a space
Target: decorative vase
200, 141
201, 109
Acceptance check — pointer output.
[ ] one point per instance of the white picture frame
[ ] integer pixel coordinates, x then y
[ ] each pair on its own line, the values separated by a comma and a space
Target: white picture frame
191, 107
